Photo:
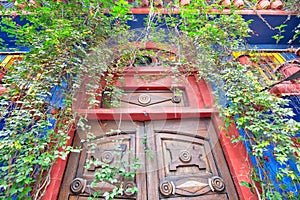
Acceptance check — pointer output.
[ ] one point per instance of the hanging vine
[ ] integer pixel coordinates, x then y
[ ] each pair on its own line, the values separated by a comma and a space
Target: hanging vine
36, 110
69, 46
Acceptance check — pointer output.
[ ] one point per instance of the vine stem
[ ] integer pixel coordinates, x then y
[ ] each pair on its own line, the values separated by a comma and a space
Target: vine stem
264, 20
43, 186
258, 163
256, 190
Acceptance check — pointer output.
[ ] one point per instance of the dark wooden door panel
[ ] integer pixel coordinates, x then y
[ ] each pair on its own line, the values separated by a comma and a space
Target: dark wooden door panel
190, 127
115, 144
186, 165
86, 198
221, 161
181, 155
206, 197
115, 151
70, 171
182, 159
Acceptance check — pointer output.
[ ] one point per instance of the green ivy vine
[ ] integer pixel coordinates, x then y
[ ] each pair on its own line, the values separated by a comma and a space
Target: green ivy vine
266, 124
69, 47
59, 35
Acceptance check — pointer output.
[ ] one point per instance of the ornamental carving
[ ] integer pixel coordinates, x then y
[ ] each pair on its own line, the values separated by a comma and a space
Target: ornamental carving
78, 185
167, 188
128, 185
185, 156
144, 100
182, 157
107, 156
216, 183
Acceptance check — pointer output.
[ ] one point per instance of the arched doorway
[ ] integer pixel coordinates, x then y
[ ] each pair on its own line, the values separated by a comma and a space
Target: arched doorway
163, 124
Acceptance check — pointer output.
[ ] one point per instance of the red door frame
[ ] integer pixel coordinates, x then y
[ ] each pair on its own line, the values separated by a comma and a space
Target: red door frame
201, 105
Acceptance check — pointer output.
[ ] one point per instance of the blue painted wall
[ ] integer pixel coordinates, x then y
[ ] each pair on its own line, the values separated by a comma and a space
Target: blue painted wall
261, 38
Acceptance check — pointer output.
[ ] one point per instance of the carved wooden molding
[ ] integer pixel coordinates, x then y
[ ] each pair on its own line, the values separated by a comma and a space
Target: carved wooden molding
216, 183
182, 157
192, 186
78, 185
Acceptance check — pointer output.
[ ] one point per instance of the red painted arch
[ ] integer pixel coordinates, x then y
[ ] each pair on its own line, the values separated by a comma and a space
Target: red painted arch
202, 106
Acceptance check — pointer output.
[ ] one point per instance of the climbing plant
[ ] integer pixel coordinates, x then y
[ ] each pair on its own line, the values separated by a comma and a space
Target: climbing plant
266, 123
267, 126
36, 111
70, 46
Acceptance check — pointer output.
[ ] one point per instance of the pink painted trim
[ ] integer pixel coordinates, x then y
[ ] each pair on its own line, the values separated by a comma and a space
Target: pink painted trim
237, 159
57, 173
144, 114
2, 90
205, 91
236, 154
225, 11
1, 75
145, 10
286, 89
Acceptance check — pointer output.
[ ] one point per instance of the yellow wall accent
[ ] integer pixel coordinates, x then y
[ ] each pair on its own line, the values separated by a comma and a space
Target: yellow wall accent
6, 60
9, 59
266, 63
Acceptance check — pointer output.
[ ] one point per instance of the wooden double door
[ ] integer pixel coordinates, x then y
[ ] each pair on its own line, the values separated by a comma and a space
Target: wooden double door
179, 159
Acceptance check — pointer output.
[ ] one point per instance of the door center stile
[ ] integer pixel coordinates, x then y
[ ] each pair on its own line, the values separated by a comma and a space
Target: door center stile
141, 179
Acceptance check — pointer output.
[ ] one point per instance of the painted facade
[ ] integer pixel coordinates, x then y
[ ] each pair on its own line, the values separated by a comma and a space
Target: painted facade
282, 57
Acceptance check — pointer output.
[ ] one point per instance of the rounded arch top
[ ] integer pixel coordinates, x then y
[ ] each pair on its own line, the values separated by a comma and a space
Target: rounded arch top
155, 46
144, 54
